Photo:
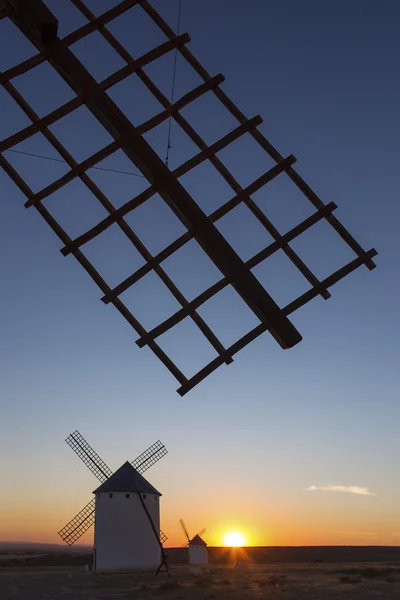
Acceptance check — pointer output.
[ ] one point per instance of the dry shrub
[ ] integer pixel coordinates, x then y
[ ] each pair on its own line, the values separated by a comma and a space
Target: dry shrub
374, 572
141, 587
204, 582
347, 579
166, 586
370, 572
273, 580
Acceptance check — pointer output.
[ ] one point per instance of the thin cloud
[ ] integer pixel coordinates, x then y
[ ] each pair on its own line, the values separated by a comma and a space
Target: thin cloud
345, 489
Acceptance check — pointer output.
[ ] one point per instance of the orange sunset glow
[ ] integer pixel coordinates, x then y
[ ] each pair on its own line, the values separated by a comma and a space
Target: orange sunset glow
234, 539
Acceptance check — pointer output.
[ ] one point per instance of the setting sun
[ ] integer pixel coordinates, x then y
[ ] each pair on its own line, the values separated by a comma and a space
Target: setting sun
234, 538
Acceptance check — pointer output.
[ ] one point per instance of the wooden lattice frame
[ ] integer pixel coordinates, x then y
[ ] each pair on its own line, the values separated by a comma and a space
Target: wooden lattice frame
40, 26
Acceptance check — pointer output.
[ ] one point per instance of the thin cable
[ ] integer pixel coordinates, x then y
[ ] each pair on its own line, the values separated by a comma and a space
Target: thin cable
173, 83
65, 162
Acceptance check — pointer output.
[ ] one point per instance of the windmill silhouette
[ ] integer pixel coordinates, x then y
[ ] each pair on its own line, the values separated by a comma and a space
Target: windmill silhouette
85, 518
198, 551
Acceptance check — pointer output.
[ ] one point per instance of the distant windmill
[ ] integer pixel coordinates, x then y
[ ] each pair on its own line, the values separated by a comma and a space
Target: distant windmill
127, 530
198, 553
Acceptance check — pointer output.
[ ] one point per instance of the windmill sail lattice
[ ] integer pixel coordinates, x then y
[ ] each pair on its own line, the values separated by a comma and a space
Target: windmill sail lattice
88, 456
186, 533
83, 521
79, 525
149, 457
40, 26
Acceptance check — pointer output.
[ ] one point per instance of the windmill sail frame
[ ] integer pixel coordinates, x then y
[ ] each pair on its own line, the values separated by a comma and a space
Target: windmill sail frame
84, 519
40, 26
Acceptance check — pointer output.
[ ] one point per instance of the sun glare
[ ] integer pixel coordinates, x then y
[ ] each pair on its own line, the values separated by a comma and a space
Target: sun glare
234, 538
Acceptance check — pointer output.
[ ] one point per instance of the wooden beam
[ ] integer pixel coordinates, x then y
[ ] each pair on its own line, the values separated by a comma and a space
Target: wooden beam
259, 137
152, 167
214, 216
222, 283
195, 137
113, 79
257, 331
92, 272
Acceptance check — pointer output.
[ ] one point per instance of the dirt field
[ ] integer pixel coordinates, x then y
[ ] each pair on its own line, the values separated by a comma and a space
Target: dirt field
291, 582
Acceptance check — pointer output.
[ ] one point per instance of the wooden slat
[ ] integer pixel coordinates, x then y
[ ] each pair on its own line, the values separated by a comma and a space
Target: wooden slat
194, 136
290, 308
116, 77
75, 103
114, 217
174, 195
151, 56
73, 173
22, 68
67, 108
244, 194
204, 328
71, 38
210, 151
194, 94
97, 22
259, 137
114, 146
215, 161
91, 270
144, 196
222, 283
318, 287
186, 237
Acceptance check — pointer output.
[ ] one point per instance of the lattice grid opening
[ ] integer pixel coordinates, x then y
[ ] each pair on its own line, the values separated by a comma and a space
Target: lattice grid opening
149, 457
88, 456
79, 525
40, 26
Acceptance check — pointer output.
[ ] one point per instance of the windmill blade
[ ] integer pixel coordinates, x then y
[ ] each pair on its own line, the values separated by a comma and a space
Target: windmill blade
149, 457
185, 531
163, 537
82, 522
88, 456
201, 532
78, 525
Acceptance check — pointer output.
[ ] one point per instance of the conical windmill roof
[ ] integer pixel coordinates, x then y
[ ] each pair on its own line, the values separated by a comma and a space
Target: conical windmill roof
197, 541
127, 479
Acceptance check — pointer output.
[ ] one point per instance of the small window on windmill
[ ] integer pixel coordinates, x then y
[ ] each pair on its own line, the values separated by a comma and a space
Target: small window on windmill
110, 495
144, 496
127, 495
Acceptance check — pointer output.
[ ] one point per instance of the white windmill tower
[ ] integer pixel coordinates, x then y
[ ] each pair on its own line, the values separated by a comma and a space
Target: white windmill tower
127, 519
198, 552
125, 510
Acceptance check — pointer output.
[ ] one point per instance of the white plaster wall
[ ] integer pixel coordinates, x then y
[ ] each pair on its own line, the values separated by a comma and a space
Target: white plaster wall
123, 538
198, 555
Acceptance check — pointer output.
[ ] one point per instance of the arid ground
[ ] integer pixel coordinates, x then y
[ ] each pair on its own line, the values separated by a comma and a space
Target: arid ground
367, 581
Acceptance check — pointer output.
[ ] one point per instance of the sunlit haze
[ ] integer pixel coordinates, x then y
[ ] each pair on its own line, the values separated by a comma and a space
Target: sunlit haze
234, 539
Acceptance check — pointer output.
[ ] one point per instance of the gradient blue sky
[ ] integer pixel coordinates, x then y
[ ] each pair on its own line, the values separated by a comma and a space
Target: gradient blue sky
244, 444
